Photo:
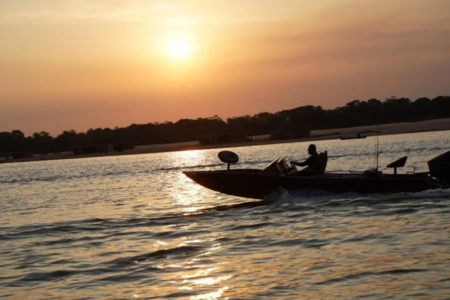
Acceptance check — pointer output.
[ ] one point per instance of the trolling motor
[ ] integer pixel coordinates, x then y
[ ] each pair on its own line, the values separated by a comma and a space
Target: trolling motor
440, 168
228, 157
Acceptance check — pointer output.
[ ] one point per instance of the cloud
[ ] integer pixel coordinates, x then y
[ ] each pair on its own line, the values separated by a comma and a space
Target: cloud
73, 11
164, 6
373, 40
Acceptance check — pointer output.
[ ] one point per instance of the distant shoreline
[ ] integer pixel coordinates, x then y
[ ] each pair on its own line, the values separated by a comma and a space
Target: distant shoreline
316, 135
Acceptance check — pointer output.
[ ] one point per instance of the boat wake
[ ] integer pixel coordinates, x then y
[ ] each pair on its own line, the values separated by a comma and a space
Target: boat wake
309, 196
317, 199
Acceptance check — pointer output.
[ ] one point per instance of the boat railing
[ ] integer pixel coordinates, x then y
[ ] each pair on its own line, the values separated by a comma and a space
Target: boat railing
343, 171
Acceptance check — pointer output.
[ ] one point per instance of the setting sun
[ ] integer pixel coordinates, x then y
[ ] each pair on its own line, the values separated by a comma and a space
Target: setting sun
179, 48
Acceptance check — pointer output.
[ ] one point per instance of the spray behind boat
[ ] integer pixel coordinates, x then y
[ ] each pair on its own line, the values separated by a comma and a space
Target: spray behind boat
440, 168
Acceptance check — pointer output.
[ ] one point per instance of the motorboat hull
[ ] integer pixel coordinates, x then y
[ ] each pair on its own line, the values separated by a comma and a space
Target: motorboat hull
250, 183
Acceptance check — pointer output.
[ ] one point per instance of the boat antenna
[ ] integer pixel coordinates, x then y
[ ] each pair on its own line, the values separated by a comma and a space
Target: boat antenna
378, 148
377, 153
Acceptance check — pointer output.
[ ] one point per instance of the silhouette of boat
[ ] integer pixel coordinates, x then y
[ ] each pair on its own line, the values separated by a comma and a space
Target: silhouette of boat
258, 183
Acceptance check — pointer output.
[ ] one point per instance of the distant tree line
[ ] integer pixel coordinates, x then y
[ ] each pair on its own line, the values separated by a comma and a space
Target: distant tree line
354, 113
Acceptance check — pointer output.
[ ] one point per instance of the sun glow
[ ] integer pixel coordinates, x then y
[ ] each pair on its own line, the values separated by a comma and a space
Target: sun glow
179, 48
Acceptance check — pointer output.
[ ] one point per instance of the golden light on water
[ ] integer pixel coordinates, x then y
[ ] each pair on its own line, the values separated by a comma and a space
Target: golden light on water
192, 155
192, 195
159, 244
211, 296
200, 273
208, 281
187, 196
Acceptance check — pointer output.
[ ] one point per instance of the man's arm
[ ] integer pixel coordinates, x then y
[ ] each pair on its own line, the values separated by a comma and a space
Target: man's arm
301, 164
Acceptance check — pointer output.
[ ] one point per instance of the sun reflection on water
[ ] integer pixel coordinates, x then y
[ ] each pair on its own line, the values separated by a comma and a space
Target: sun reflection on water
194, 156
211, 296
183, 190
200, 273
197, 276
208, 281
159, 244
189, 195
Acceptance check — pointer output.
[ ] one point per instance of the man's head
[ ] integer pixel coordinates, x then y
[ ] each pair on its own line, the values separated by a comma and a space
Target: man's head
312, 149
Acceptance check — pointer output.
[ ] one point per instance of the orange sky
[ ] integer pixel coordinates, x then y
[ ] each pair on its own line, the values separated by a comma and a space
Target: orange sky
80, 64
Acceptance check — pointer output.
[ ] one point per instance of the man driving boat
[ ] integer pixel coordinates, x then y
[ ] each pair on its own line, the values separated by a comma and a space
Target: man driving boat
312, 163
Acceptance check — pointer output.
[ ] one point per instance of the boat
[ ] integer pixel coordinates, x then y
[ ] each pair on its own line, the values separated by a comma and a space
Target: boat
259, 183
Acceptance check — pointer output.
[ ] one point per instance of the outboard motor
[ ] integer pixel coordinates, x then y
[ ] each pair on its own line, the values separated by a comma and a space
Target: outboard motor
440, 168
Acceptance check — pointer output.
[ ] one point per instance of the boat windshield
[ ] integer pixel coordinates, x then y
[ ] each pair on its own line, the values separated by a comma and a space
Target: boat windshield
277, 167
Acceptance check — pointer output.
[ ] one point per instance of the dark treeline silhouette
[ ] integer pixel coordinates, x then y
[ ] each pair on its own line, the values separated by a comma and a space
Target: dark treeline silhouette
354, 113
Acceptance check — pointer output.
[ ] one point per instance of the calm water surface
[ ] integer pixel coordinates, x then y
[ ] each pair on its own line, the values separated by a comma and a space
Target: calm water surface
134, 227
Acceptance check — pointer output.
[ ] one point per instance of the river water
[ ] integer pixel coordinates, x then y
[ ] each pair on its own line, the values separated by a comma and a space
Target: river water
134, 227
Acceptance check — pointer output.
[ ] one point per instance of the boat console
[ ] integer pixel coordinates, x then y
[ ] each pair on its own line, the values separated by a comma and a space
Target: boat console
278, 167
